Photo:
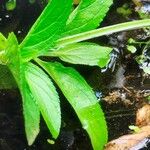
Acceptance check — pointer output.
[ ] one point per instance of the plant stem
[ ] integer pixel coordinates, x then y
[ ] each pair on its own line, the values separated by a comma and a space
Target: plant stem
103, 31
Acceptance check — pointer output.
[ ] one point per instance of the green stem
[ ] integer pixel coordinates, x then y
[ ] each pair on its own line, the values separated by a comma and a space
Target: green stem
103, 31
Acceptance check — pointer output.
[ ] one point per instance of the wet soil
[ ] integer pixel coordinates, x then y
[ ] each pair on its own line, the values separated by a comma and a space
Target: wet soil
122, 90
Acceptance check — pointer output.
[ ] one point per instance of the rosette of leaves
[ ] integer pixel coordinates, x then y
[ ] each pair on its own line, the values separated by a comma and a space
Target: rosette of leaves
59, 32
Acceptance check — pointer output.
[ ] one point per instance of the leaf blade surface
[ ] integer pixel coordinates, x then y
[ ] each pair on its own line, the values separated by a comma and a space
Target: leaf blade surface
46, 30
84, 53
87, 16
46, 97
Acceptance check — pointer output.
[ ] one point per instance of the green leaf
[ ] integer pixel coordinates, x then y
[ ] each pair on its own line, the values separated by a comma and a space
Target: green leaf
46, 30
46, 97
82, 99
10, 5
31, 113
131, 48
30, 109
84, 53
3, 42
3, 45
6, 79
87, 16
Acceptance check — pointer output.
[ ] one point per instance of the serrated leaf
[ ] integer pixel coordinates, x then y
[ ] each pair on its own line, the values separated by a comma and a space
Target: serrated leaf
30, 109
87, 16
46, 30
46, 97
82, 99
31, 113
84, 53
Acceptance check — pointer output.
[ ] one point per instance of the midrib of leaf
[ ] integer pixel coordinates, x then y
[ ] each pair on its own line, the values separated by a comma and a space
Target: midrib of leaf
67, 51
63, 54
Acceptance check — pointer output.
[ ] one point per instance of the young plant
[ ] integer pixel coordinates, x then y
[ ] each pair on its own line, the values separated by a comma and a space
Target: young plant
58, 32
144, 58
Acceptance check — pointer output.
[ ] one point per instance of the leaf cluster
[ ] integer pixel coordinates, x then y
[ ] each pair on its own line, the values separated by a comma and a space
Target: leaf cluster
59, 32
